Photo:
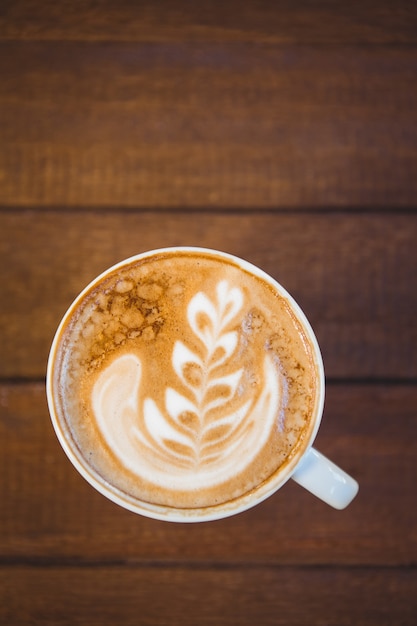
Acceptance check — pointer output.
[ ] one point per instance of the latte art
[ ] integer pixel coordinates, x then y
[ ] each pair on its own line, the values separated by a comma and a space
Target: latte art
183, 380
210, 427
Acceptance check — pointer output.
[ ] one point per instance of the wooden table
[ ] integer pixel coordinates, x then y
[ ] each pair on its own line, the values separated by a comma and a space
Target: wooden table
285, 133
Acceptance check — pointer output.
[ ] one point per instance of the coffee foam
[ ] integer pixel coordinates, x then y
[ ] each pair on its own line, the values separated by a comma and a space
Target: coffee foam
185, 381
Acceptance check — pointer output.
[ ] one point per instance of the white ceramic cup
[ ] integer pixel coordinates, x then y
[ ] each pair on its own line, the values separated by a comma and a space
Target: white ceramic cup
310, 469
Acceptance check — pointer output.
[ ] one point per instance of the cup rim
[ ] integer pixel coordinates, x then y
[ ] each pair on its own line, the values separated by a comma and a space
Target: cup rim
160, 512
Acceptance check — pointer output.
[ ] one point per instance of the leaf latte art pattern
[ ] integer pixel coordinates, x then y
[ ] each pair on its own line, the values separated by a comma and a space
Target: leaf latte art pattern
208, 427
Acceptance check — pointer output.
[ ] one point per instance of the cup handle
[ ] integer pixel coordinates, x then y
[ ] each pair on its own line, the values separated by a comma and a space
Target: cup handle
324, 479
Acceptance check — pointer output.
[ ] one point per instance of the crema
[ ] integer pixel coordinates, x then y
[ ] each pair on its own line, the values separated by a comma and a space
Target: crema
184, 380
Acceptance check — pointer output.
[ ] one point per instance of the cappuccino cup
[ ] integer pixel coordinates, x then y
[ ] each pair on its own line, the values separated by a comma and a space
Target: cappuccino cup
186, 385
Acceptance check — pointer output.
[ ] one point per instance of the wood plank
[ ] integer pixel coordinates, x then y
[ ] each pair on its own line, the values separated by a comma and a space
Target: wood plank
271, 596
280, 21
207, 125
51, 515
352, 274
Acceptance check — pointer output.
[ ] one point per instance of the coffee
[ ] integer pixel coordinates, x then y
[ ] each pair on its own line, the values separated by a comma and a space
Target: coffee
183, 379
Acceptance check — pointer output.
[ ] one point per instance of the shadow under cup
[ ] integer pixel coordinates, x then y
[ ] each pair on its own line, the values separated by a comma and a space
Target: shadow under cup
173, 371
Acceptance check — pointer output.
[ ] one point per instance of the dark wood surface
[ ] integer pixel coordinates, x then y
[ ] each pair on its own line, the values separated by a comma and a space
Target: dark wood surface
285, 133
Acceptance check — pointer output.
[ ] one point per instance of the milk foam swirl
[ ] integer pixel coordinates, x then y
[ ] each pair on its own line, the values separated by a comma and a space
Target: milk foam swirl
212, 424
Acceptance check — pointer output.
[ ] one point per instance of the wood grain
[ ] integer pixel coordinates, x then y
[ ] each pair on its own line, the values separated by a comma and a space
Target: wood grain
281, 21
282, 596
51, 515
352, 275
285, 133
161, 125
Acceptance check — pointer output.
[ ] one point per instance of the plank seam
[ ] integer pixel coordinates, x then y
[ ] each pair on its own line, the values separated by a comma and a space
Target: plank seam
50, 563
287, 210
